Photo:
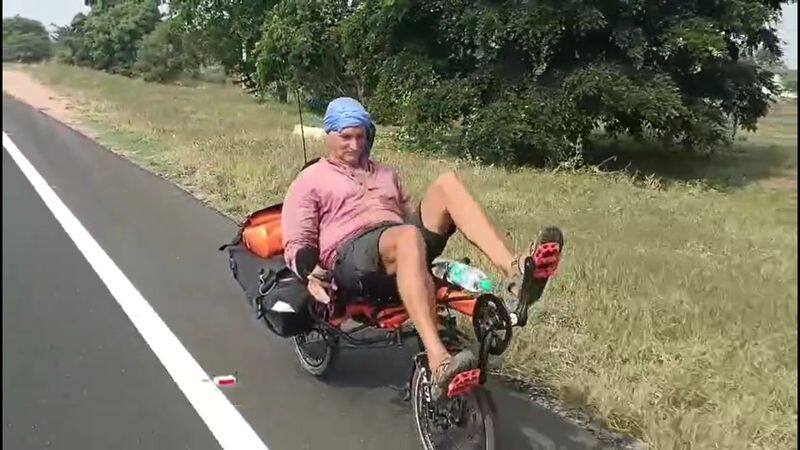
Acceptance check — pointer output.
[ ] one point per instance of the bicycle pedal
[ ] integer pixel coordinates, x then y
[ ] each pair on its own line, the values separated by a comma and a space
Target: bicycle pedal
463, 383
545, 259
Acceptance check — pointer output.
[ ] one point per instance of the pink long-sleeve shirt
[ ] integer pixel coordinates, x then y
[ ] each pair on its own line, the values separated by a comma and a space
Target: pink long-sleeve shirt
329, 204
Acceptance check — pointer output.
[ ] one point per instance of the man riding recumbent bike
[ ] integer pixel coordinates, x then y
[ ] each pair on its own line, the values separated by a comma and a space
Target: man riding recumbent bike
463, 418
347, 245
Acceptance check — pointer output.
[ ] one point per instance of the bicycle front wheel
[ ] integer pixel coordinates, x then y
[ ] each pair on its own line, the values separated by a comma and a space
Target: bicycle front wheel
463, 422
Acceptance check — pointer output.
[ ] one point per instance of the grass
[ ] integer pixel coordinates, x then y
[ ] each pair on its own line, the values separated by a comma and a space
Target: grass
674, 317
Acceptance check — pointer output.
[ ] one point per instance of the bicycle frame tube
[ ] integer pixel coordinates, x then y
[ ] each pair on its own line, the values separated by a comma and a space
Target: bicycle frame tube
392, 318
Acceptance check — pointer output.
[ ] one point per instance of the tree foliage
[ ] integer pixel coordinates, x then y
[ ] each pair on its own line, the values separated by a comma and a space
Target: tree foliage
69, 41
297, 49
108, 39
508, 81
226, 31
25, 40
516, 81
129, 38
165, 54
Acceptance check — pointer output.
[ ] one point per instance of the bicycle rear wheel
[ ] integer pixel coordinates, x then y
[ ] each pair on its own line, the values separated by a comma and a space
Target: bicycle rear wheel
315, 351
463, 422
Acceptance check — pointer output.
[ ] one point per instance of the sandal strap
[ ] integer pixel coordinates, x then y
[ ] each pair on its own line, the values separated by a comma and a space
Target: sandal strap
443, 365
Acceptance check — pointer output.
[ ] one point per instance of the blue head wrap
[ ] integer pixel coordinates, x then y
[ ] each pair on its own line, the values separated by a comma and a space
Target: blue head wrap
345, 112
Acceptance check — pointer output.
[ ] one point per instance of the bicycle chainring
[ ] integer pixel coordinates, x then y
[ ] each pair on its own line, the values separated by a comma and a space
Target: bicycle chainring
491, 320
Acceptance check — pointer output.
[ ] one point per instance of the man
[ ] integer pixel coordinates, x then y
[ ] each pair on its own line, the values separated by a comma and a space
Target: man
349, 216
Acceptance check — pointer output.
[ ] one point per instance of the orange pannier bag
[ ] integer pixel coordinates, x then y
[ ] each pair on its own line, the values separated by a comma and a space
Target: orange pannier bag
261, 232
263, 236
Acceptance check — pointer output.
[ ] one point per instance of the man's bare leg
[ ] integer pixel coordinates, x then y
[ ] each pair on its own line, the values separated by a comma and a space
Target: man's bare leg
447, 202
402, 253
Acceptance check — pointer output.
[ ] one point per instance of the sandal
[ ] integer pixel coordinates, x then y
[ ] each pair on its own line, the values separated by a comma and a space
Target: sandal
545, 255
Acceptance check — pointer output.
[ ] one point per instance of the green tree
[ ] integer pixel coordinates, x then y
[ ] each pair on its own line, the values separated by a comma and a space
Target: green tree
108, 38
768, 60
25, 40
165, 53
298, 48
113, 35
509, 81
69, 44
517, 82
225, 31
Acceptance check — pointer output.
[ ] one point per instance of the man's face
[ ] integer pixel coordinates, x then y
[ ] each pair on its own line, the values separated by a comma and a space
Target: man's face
347, 146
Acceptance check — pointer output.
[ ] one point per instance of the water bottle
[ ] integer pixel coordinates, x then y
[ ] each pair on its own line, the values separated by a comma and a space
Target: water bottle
462, 275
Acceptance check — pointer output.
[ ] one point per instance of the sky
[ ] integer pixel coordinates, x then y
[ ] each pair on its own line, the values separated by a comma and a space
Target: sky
60, 12
788, 33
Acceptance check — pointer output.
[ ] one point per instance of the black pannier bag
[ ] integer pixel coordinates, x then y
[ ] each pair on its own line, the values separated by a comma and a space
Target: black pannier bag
275, 291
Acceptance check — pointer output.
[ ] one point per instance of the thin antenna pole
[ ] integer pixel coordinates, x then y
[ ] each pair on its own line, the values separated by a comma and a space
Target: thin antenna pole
302, 128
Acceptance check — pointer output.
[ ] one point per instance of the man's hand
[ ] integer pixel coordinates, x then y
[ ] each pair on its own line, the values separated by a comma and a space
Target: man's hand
319, 284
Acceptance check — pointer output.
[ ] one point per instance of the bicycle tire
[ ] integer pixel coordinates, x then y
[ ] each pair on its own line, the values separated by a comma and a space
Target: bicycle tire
318, 366
483, 419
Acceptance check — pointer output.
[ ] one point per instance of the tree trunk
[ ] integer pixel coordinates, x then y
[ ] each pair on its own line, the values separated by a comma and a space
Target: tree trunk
282, 93
360, 90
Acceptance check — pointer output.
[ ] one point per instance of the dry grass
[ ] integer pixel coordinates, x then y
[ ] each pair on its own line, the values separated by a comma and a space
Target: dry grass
674, 316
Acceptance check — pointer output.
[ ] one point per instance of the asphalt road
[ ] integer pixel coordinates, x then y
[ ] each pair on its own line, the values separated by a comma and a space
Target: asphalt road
78, 375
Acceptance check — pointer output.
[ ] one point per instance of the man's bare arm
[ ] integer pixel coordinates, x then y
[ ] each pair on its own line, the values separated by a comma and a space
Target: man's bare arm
300, 227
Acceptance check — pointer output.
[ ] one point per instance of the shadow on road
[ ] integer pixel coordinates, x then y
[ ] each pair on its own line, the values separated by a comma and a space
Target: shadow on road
521, 424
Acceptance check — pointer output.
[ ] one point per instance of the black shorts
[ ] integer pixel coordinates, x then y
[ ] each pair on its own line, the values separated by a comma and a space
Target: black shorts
359, 272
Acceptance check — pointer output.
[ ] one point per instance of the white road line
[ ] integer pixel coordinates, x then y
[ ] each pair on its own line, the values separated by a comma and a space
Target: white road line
228, 426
